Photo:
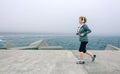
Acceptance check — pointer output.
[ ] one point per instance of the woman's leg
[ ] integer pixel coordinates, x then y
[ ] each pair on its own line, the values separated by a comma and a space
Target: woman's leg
81, 56
92, 56
89, 53
82, 50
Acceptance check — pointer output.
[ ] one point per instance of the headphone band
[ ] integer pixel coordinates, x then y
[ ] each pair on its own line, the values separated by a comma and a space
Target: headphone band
83, 20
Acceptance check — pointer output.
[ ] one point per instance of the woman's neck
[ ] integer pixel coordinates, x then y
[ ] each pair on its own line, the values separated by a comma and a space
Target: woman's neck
81, 24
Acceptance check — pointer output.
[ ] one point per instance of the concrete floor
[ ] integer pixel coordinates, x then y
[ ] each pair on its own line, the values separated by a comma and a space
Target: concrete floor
57, 62
39, 62
107, 62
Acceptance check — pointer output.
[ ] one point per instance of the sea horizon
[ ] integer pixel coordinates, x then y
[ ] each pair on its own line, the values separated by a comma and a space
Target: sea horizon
55, 33
67, 40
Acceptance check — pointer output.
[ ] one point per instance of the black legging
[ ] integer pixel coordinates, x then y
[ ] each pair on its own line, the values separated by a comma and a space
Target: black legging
83, 47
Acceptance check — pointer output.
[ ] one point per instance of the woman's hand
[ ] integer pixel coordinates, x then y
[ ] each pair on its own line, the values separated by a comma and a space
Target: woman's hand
82, 34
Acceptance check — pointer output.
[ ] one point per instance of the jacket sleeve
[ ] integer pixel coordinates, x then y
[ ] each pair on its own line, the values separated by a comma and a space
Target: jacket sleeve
86, 30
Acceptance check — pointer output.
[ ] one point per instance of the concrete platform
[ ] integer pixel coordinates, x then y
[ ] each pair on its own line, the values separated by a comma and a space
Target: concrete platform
107, 62
57, 62
39, 62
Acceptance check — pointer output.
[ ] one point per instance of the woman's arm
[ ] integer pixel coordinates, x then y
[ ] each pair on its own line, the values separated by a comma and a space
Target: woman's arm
86, 30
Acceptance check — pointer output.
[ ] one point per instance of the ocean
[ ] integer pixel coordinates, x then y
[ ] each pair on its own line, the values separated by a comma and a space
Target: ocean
68, 41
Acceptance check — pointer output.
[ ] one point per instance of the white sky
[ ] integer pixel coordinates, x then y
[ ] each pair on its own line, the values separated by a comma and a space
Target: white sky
59, 16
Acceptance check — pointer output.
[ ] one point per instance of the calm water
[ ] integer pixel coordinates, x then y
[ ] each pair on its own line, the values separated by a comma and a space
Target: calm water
68, 41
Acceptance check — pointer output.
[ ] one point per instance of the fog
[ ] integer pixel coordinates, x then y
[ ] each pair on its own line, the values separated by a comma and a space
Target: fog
59, 16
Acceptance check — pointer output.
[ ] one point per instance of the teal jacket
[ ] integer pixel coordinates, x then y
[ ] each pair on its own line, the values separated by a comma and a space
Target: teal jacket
85, 30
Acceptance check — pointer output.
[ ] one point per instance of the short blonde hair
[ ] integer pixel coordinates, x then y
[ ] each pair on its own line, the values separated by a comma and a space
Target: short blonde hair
83, 18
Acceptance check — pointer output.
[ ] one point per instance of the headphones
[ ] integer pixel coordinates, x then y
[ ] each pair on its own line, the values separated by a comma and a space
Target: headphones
83, 20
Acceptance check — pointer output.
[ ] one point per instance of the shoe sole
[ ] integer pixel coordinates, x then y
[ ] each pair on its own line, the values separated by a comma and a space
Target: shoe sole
80, 62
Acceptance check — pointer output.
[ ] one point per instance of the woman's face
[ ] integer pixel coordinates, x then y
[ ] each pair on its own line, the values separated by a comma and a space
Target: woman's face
80, 21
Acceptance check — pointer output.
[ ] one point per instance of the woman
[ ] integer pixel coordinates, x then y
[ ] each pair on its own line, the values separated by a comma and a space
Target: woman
83, 30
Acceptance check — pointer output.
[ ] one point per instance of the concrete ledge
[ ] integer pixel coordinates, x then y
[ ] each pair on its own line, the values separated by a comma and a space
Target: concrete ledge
111, 47
50, 48
21, 48
39, 45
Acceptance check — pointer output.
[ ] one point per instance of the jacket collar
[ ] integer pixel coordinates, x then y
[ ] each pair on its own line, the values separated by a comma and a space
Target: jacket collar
82, 25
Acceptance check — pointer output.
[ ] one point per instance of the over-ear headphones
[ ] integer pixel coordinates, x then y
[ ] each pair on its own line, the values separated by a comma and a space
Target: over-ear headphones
83, 20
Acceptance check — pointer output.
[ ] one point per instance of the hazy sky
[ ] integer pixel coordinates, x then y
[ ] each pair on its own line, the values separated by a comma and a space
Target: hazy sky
59, 16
